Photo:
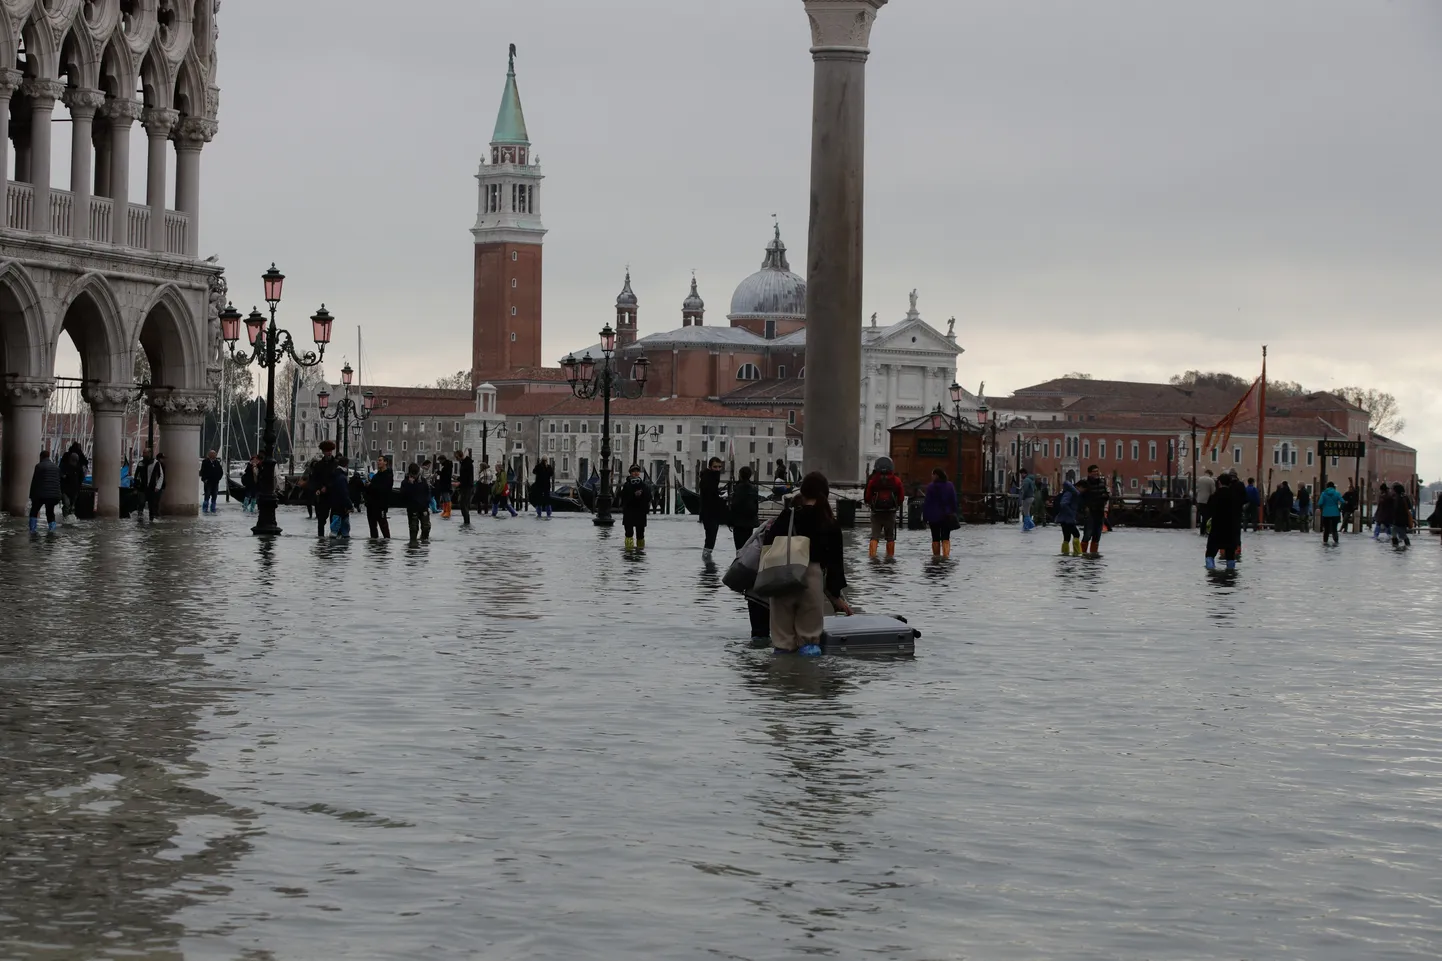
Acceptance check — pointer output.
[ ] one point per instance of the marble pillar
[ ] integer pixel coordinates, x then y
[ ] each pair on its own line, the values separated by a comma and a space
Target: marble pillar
9, 83
24, 402
191, 134
42, 94
83, 104
179, 417
159, 121
121, 115
107, 410
840, 32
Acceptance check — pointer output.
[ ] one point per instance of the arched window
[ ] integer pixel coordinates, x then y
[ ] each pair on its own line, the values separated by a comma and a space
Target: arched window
781, 371
748, 372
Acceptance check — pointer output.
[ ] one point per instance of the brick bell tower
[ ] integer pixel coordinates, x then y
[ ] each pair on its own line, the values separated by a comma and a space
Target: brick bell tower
506, 332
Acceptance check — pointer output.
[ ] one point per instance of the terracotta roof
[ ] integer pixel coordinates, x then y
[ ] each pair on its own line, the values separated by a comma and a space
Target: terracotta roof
536, 405
422, 402
523, 374
791, 390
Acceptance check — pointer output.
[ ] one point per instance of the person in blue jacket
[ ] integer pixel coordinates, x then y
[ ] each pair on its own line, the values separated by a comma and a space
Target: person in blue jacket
1329, 502
1254, 505
1068, 504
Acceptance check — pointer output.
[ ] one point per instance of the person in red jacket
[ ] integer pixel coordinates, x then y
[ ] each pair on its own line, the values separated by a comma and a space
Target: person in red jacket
884, 495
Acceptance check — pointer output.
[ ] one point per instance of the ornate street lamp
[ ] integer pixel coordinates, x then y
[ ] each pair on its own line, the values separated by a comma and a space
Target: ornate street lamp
270, 345
347, 408
956, 394
587, 381
653, 432
498, 430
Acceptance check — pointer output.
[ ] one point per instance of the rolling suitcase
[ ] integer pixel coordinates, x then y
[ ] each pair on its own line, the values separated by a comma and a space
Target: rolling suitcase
863, 634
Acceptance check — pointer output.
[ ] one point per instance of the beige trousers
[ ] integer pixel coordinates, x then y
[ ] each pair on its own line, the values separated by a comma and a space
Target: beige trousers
797, 619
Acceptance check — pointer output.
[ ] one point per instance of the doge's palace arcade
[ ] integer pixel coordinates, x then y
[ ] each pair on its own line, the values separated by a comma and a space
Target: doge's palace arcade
86, 260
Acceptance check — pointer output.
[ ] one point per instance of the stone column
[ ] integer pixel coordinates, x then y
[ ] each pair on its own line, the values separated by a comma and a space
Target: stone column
178, 417
9, 83
840, 31
24, 399
42, 94
121, 114
107, 407
158, 123
82, 104
191, 135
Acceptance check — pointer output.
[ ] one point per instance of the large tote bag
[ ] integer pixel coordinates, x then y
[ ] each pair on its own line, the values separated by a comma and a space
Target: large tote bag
741, 575
783, 564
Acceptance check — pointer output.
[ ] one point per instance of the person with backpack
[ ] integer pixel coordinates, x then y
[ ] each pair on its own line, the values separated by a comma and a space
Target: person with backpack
884, 495
1068, 512
416, 494
1401, 516
1329, 502
501, 493
939, 508
44, 492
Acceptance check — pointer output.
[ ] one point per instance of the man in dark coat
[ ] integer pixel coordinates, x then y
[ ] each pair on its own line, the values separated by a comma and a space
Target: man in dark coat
322, 473
211, 473
340, 502
1095, 496
744, 506
378, 499
44, 491
713, 505
1224, 510
71, 477
545, 476
466, 477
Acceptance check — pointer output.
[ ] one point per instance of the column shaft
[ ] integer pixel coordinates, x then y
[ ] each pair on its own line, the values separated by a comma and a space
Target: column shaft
121, 114
179, 439
840, 30
158, 123
187, 190
105, 459
83, 104
21, 453
43, 94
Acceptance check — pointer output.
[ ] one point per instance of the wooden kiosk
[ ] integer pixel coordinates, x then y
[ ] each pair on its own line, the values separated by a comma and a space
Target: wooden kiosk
939, 439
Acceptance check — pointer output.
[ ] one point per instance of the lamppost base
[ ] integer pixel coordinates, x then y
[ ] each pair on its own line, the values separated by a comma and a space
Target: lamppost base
265, 525
603, 516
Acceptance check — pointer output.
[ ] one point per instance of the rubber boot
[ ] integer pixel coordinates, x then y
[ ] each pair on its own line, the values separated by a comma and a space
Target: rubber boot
1065, 548
1211, 563
946, 548
1231, 565
891, 548
640, 543
34, 525
936, 548
630, 543
52, 527
872, 552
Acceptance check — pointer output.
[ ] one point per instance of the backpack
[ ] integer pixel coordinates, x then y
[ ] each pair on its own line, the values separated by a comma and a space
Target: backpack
885, 496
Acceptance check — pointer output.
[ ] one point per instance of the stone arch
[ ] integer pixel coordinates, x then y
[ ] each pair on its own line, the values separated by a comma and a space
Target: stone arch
79, 62
24, 346
117, 70
41, 54
167, 334
9, 39
190, 86
157, 82
93, 319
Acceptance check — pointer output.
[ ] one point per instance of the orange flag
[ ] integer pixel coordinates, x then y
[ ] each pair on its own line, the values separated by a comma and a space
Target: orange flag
1222, 429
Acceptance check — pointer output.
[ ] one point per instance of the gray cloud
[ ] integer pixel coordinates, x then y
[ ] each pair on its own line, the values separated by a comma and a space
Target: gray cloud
1120, 186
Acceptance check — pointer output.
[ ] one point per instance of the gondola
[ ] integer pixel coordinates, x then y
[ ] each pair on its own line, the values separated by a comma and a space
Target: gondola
689, 499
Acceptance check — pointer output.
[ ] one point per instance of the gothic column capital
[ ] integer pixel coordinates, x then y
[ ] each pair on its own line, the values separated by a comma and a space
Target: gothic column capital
182, 406
83, 102
159, 121
841, 27
10, 80
27, 391
122, 112
108, 397
194, 132
42, 92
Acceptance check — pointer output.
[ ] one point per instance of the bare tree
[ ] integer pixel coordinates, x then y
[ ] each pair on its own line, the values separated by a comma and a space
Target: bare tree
460, 380
1078, 375
292, 377
1384, 414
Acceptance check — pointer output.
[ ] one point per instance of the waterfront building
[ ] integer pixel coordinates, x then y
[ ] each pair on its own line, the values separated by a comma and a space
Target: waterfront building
86, 261
1139, 434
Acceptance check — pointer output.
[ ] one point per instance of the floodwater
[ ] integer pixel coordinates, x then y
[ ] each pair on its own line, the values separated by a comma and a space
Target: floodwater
515, 742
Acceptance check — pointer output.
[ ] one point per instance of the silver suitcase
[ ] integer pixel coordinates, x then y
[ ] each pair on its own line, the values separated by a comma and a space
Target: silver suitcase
863, 634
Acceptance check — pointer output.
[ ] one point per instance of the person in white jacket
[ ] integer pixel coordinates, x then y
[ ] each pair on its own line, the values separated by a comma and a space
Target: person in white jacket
1206, 487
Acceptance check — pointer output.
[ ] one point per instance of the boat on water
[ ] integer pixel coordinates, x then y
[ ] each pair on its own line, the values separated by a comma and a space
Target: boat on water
687, 499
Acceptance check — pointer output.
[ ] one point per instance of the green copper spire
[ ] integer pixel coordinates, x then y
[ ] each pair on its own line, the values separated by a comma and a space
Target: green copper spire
511, 121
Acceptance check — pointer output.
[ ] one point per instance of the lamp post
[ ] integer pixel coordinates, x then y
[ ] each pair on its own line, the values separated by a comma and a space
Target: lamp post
653, 432
956, 395
269, 346
347, 408
498, 429
588, 382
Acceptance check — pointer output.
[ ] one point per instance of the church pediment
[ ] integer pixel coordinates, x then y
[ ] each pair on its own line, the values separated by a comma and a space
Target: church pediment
913, 335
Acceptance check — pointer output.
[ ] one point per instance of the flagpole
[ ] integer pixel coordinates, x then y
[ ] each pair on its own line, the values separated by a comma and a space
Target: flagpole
1262, 433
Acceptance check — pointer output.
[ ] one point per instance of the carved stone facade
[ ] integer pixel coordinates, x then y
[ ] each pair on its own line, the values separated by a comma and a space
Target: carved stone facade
84, 262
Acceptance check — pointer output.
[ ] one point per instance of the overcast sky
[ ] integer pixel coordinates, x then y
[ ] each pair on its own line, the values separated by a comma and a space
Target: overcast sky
1123, 187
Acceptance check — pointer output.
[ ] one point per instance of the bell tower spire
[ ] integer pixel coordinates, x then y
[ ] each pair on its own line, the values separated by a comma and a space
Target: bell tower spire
626, 309
508, 233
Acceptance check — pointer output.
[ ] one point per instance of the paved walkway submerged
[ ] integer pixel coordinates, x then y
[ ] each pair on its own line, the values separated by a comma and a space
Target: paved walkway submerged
519, 742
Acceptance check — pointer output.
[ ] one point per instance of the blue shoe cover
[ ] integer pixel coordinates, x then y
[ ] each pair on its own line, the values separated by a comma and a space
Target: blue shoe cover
1211, 563
810, 650
1231, 565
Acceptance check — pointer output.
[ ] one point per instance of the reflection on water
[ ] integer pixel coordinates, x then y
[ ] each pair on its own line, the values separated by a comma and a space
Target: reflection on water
520, 741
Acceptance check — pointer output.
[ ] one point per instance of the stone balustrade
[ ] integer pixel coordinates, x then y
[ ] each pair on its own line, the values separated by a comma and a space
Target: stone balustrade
20, 215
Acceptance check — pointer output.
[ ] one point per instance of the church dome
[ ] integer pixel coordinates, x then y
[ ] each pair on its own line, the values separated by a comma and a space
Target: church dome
773, 291
693, 304
627, 297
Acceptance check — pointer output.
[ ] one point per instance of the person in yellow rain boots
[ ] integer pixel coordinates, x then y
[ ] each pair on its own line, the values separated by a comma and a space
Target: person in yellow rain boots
635, 498
884, 495
1068, 507
939, 510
